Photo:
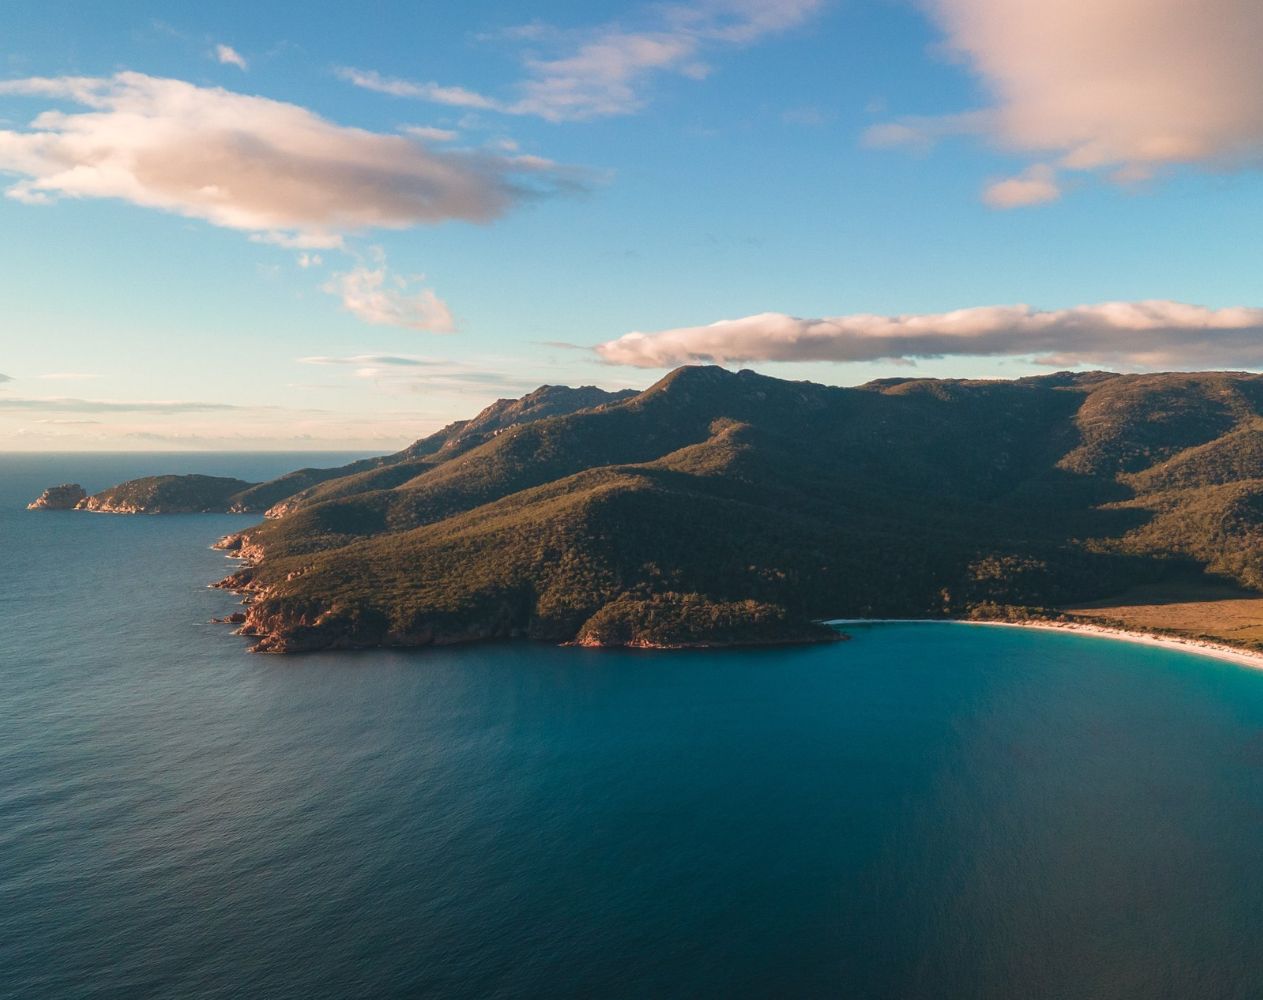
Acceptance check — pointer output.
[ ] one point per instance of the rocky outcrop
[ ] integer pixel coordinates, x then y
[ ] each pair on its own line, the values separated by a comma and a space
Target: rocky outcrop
63, 497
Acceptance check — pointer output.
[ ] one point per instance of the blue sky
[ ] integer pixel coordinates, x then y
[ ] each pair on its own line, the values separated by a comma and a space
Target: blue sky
835, 178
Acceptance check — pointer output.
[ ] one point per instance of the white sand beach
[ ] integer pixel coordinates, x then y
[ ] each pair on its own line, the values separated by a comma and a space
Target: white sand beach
1218, 651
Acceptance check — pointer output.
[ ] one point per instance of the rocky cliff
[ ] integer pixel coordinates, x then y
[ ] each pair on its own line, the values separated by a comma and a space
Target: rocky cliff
63, 497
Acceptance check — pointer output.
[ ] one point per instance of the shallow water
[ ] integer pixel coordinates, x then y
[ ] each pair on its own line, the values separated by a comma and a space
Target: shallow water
925, 811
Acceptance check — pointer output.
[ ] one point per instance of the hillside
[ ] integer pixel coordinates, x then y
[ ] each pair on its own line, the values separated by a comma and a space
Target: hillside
721, 507
166, 495
203, 494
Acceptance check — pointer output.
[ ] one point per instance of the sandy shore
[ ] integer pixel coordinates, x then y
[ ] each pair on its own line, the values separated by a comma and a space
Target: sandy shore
1199, 647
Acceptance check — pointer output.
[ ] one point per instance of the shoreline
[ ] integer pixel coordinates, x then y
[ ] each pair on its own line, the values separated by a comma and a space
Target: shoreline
1197, 647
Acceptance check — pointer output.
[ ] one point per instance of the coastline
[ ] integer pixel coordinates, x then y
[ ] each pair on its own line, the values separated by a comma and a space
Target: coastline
1198, 647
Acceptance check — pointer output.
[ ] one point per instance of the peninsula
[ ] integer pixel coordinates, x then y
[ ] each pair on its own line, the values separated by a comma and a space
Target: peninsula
721, 507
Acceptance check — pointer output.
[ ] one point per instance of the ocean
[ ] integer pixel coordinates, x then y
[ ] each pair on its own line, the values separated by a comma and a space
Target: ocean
924, 811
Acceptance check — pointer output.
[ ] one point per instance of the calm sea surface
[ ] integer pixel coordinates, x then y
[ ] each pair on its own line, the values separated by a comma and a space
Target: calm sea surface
926, 811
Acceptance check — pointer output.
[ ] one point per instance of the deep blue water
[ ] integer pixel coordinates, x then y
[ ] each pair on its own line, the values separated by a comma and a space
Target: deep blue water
925, 811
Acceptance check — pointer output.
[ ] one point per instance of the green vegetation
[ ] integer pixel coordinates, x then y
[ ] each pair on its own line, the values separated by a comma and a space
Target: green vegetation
167, 495
684, 620
733, 507
304, 487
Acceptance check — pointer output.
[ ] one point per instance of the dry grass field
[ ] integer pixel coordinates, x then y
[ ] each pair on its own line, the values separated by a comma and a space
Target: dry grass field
1203, 610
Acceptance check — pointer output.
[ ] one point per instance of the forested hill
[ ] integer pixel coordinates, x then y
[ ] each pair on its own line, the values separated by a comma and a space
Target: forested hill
721, 507
172, 494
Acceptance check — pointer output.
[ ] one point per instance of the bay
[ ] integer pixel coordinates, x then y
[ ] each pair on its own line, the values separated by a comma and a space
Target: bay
924, 811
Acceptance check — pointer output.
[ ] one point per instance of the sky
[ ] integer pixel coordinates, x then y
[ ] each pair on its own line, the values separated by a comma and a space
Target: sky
258, 226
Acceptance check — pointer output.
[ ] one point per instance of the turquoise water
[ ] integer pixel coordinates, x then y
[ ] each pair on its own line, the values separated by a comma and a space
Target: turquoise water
925, 811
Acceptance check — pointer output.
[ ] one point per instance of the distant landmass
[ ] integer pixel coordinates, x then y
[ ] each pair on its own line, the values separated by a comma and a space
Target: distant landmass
734, 508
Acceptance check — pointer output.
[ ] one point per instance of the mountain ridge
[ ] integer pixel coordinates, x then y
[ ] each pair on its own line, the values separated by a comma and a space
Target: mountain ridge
722, 507
639, 522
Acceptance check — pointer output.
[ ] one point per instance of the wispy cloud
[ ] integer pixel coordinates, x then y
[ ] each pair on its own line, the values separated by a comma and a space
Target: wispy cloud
376, 296
62, 404
1152, 334
229, 56
407, 373
605, 70
371, 360
5, 378
428, 133
1104, 85
274, 169
457, 97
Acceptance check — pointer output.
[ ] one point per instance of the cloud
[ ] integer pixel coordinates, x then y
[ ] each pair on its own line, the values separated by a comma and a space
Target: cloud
370, 360
66, 405
5, 378
457, 97
229, 56
408, 373
428, 133
602, 71
1152, 334
274, 169
1123, 86
377, 297
1034, 186
308, 260
921, 133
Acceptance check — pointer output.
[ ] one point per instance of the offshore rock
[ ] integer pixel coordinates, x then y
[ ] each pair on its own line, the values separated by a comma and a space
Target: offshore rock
63, 497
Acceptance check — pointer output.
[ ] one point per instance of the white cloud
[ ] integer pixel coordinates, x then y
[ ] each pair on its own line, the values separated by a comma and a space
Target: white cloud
602, 71
274, 169
308, 260
428, 133
455, 96
1124, 86
377, 297
1152, 334
229, 56
1034, 186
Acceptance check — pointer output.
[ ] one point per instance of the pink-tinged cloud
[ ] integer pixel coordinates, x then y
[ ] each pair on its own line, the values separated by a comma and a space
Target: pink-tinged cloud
1123, 86
1034, 186
276, 170
1152, 334
375, 296
604, 71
